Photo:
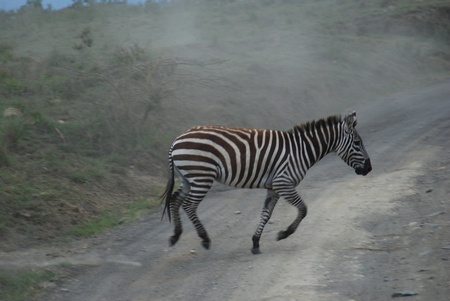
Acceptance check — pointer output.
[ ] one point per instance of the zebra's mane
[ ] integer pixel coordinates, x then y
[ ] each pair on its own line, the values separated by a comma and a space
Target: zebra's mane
317, 124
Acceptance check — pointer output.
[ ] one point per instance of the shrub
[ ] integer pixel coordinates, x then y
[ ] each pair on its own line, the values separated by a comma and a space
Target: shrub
129, 55
11, 131
10, 86
6, 53
4, 158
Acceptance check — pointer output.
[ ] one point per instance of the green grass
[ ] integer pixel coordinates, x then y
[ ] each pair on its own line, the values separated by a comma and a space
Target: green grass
24, 284
137, 209
141, 207
93, 172
84, 79
97, 225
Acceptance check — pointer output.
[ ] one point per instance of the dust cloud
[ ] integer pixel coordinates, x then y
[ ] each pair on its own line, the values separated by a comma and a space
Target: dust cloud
283, 62
289, 62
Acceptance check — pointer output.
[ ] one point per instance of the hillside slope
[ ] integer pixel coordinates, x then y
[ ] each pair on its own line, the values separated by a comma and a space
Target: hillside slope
99, 92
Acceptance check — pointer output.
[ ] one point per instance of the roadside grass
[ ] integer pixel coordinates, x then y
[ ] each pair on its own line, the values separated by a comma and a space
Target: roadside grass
79, 81
94, 226
83, 80
24, 284
92, 170
137, 209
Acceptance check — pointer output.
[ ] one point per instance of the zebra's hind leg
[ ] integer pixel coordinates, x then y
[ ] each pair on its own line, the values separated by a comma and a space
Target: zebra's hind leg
271, 200
177, 200
194, 198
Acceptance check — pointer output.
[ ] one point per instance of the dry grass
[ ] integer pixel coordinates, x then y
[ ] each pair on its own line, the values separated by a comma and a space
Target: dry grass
103, 90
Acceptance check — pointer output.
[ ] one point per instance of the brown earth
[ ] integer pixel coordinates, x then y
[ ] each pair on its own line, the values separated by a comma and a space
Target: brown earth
365, 238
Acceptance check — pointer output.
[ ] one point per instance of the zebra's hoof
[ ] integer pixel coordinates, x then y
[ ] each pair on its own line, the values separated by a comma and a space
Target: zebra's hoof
282, 235
206, 244
256, 251
173, 240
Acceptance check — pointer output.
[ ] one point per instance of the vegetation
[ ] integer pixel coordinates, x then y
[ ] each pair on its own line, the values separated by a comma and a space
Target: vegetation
91, 96
23, 284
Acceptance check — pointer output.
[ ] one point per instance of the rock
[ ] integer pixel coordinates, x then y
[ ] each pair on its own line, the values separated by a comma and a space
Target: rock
55, 101
237, 212
430, 225
435, 213
12, 112
426, 252
23, 213
47, 285
193, 252
404, 294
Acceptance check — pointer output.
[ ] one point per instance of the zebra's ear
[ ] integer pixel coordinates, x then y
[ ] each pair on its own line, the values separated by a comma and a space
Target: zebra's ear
350, 120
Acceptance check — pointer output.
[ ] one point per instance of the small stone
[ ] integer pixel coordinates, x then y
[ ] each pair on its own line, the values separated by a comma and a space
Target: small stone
435, 213
404, 294
193, 252
12, 112
430, 225
237, 212
426, 252
25, 214
47, 285
429, 190
446, 247
422, 270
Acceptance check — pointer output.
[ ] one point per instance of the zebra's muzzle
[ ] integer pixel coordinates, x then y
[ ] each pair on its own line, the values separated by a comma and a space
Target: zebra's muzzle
364, 170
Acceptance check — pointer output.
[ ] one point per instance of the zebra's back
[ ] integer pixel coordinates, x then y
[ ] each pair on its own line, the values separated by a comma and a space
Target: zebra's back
237, 157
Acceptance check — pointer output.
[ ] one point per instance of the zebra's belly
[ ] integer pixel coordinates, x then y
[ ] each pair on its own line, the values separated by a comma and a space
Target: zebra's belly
262, 182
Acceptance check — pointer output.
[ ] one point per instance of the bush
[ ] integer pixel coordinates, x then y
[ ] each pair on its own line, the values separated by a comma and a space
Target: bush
10, 86
12, 130
129, 55
6, 53
4, 158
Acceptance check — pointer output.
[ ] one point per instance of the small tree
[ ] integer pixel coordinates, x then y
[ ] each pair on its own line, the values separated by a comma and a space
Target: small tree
36, 4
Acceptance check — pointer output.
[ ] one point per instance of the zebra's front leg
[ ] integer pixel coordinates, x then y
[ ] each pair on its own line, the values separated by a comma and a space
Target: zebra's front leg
293, 198
177, 200
269, 205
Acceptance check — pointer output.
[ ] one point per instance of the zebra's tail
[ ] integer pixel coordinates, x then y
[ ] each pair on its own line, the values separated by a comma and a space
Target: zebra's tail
167, 195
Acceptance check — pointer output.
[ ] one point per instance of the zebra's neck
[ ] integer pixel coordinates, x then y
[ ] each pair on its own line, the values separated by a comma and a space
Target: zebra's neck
317, 139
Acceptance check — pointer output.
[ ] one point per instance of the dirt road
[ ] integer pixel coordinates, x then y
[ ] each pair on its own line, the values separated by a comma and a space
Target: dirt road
365, 238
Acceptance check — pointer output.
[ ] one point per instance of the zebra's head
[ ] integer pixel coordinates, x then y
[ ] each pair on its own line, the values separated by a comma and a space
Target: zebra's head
351, 148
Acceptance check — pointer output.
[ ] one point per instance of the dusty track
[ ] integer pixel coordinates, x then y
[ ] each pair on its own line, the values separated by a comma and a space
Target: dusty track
364, 238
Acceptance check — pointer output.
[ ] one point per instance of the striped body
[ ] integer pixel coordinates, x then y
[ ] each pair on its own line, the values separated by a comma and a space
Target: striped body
255, 158
246, 158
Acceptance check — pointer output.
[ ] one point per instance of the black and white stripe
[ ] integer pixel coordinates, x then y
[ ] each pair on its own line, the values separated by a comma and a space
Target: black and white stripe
255, 158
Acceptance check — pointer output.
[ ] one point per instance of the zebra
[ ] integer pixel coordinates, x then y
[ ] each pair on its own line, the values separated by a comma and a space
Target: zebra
255, 158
